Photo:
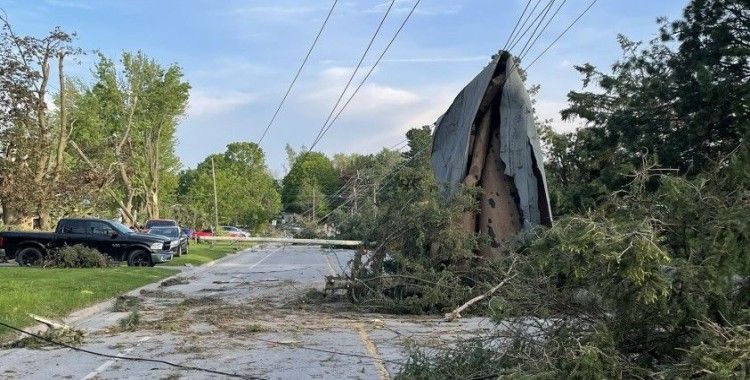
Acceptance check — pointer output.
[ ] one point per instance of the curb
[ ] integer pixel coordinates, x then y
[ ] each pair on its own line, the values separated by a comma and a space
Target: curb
89, 311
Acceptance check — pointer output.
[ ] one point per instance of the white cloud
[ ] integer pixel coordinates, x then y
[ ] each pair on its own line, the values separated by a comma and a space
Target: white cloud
550, 110
204, 103
470, 58
274, 12
69, 4
432, 8
371, 99
382, 113
231, 68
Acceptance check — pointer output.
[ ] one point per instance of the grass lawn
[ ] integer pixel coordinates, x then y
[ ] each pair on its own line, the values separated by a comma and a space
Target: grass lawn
58, 292
204, 253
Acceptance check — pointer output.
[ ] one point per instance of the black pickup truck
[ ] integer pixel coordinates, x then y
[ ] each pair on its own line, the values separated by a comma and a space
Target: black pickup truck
108, 237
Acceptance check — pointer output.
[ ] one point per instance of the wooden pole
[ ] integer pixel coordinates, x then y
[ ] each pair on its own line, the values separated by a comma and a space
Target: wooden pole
216, 198
313, 208
355, 191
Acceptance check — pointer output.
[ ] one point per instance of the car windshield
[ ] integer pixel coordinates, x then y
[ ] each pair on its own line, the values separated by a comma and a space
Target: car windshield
169, 232
160, 223
121, 228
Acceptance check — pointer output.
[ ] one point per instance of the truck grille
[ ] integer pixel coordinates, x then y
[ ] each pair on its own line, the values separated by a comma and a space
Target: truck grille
165, 246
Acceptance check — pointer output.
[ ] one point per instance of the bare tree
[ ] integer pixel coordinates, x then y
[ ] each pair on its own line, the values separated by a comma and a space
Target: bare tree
33, 144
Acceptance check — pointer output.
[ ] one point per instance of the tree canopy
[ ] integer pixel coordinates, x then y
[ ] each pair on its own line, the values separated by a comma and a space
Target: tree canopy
311, 180
246, 191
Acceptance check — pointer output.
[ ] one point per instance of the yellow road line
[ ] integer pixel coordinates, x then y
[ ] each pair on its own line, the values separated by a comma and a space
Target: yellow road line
372, 350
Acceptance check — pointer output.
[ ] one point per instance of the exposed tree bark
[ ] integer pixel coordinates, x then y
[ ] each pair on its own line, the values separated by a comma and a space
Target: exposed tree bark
499, 216
126, 206
125, 210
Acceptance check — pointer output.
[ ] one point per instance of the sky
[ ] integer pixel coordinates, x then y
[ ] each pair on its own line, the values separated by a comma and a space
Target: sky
239, 57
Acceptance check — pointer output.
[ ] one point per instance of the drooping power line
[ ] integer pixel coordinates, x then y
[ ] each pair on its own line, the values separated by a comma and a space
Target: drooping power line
544, 28
562, 33
520, 34
129, 358
299, 71
356, 69
513, 32
369, 72
543, 14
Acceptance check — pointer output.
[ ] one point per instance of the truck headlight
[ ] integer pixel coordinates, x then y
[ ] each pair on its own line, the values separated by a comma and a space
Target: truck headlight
157, 246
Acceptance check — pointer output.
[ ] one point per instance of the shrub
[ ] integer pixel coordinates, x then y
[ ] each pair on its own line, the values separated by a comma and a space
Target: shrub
76, 256
129, 322
126, 303
64, 335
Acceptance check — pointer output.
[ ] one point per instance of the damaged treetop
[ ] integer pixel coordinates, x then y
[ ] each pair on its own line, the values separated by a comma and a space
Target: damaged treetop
488, 138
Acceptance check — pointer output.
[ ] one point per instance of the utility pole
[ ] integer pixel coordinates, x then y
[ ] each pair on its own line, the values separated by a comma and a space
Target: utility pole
313, 208
216, 199
356, 179
375, 194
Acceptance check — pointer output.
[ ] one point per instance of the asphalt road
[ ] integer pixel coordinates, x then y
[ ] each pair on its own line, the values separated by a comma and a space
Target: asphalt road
244, 314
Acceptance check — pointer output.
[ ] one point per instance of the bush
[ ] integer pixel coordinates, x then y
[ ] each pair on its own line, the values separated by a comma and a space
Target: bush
126, 303
76, 256
472, 359
64, 335
655, 283
131, 322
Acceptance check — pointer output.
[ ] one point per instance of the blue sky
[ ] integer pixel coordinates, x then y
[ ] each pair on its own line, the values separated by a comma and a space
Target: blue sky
239, 57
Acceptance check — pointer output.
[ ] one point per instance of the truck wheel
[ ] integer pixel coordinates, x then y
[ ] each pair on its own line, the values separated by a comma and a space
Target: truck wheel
179, 251
29, 256
139, 258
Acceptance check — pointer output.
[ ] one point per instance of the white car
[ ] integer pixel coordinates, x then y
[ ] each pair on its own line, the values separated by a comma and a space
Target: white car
233, 231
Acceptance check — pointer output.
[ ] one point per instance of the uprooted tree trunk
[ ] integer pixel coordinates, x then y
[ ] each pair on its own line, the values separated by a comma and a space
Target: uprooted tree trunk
492, 123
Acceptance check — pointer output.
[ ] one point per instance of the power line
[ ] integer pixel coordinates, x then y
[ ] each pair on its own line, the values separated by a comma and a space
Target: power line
510, 36
385, 181
129, 358
523, 54
299, 71
543, 14
361, 83
356, 69
518, 37
562, 33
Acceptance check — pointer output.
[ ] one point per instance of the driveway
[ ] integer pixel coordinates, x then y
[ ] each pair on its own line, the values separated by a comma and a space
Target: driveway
246, 314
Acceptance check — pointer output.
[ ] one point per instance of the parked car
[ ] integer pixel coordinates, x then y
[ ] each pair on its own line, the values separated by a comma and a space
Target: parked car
108, 237
203, 233
161, 223
173, 233
187, 231
233, 231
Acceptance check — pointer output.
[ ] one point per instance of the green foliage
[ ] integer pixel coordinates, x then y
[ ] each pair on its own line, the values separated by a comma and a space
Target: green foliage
126, 303
421, 251
646, 274
638, 277
472, 359
64, 335
129, 322
723, 353
681, 99
311, 178
245, 189
126, 123
76, 256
